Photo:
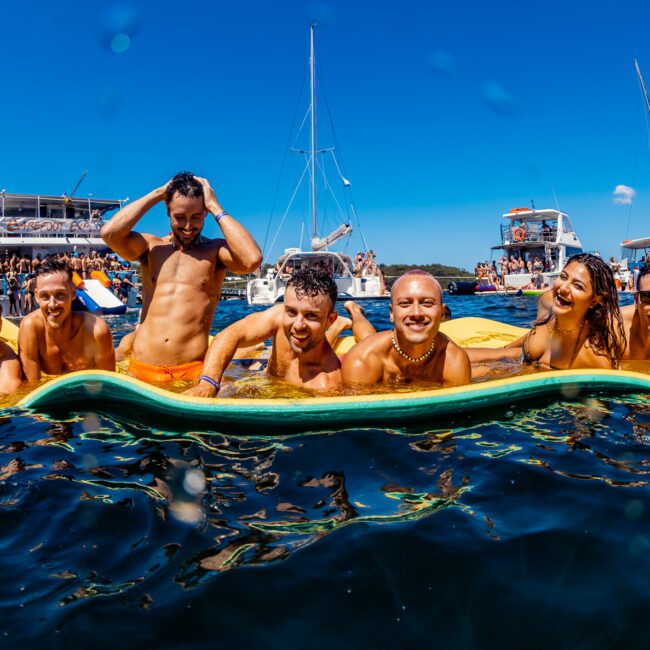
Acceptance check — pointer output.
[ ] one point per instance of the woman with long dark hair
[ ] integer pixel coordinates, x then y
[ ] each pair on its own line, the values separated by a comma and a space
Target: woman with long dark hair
582, 329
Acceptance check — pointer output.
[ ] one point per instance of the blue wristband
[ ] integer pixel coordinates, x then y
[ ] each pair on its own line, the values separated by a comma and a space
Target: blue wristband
223, 213
214, 383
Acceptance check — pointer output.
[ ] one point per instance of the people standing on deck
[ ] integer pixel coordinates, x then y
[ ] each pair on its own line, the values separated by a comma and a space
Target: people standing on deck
29, 287
636, 319
184, 274
301, 330
24, 264
36, 263
13, 291
415, 349
54, 340
579, 323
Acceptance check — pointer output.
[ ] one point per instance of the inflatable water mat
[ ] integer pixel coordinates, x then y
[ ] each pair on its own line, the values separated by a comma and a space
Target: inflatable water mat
114, 393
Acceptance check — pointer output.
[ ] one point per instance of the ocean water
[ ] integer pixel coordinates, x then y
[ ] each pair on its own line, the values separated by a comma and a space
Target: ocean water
523, 527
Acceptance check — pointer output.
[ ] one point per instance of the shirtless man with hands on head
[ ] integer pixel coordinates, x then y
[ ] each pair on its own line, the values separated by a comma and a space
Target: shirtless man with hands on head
415, 350
301, 353
181, 275
55, 340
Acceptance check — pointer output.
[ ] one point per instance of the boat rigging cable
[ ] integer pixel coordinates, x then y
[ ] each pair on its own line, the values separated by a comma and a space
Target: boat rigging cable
645, 105
284, 160
346, 182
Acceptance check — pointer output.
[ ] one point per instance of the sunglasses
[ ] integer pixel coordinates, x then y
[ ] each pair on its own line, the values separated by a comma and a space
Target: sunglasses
644, 297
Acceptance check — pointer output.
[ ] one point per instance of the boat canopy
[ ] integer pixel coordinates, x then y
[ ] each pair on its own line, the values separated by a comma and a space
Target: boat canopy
526, 214
636, 244
53, 207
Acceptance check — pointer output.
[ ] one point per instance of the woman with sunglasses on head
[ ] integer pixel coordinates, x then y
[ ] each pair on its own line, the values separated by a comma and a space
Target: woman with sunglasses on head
583, 327
636, 319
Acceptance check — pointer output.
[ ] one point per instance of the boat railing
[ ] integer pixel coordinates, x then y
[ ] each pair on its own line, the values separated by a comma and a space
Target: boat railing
534, 233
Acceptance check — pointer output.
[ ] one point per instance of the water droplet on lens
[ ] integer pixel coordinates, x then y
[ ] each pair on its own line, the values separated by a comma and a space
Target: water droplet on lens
120, 43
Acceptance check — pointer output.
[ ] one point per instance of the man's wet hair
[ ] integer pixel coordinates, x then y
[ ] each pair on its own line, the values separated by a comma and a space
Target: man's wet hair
186, 185
53, 265
313, 282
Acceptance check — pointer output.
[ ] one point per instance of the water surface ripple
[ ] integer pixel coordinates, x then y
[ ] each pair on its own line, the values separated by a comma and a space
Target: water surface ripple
527, 528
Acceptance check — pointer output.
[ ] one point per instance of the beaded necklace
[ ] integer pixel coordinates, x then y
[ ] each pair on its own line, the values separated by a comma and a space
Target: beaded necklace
408, 357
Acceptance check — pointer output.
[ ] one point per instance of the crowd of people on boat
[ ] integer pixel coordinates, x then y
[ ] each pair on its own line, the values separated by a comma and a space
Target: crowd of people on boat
19, 273
579, 323
494, 273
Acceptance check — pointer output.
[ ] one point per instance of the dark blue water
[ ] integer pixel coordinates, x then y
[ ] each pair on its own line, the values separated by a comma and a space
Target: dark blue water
529, 529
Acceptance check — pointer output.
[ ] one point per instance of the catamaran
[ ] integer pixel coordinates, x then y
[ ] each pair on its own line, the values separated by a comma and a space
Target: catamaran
354, 282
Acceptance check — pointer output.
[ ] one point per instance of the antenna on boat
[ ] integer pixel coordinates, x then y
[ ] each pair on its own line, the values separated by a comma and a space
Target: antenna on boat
532, 204
79, 182
643, 89
312, 110
557, 203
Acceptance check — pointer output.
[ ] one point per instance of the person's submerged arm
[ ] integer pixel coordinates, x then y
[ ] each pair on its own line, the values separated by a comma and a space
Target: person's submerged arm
118, 232
251, 330
241, 254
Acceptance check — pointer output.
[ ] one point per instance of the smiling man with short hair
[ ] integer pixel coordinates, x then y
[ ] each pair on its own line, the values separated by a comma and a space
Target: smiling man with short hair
55, 340
415, 349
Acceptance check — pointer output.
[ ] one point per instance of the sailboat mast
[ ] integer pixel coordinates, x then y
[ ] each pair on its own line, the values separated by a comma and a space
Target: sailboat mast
312, 104
645, 92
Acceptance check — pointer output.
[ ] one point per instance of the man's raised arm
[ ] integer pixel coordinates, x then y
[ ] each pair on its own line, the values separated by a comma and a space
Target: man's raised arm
241, 254
251, 330
118, 232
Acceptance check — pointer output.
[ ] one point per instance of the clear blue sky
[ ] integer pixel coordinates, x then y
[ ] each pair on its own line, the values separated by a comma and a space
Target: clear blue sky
447, 114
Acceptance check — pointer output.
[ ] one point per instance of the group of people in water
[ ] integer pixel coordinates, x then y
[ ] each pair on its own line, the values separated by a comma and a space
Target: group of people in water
579, 322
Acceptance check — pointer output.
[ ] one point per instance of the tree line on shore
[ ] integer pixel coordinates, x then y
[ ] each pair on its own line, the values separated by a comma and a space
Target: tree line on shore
436, 270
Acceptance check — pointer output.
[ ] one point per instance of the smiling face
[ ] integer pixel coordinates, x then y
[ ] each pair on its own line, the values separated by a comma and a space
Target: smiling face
187, 216
306, 319
55, 293
573, 290
416, 309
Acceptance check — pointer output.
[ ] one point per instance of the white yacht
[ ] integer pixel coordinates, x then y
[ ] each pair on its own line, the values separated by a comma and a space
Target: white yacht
353, 283
531, 234
634, 254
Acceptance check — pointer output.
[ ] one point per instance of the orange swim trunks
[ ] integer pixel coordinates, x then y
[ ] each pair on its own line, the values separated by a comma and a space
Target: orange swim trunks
164, 374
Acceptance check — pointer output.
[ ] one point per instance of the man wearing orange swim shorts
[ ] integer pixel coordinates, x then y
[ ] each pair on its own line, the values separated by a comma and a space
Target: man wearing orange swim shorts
181, 275
55, 340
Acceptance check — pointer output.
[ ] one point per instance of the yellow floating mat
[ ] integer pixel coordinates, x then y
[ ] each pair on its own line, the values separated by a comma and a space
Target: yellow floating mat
116, 394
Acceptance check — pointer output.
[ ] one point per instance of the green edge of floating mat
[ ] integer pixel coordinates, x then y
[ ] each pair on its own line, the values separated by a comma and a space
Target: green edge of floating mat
107, 391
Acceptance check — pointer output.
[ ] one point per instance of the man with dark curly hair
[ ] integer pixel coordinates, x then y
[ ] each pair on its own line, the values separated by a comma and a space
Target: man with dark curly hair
181, 275
301, 353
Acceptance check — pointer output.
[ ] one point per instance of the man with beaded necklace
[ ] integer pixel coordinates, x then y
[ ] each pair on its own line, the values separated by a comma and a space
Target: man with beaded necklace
415, 350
